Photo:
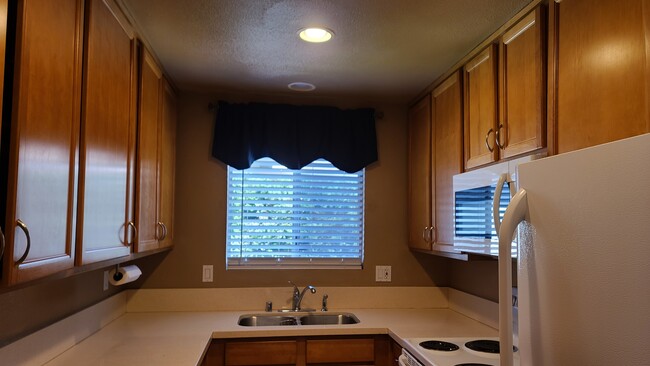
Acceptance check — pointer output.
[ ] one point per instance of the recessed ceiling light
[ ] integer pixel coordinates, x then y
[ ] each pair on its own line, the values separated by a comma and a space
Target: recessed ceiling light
301, 86
316, 35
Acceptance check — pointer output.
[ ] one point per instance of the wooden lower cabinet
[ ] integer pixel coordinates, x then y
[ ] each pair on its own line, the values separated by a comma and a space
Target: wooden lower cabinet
300, 351
396, 351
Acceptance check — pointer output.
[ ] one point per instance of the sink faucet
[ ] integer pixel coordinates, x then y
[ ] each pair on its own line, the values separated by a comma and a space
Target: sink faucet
297, 296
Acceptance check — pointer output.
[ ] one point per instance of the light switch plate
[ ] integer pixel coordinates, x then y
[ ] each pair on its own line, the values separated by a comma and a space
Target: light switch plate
383, 273
208, 273
105, 287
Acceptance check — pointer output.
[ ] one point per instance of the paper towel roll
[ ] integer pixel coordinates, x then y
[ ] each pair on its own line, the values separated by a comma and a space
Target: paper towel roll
124, 275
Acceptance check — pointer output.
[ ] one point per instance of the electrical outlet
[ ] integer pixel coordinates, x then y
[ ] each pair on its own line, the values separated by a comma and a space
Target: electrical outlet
105, 280
382, 273
208, 273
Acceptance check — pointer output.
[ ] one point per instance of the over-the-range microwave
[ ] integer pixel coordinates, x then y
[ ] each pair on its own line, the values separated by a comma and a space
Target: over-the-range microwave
480, 199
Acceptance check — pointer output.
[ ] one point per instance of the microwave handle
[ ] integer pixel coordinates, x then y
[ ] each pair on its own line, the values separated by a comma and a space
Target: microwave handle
496, 202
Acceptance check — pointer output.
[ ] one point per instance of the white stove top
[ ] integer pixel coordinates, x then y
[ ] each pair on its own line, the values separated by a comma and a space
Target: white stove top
459, 356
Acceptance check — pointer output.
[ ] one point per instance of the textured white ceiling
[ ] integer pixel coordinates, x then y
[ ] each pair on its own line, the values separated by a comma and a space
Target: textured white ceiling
387, 49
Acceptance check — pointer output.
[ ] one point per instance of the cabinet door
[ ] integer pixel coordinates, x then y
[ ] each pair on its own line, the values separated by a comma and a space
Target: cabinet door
480, 109
341, 351
3, 37
167, 164
146, 215
448, 121
602, 70
108, 137
281, 352
42, 174
419, 174
522, 120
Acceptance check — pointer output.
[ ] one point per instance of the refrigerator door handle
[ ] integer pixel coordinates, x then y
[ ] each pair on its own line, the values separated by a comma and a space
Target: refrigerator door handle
515, 213
496, 201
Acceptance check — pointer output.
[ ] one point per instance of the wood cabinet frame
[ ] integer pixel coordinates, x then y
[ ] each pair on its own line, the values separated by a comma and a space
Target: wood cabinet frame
301, 351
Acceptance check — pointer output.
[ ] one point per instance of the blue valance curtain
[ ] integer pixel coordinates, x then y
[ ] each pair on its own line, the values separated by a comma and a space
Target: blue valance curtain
294, 135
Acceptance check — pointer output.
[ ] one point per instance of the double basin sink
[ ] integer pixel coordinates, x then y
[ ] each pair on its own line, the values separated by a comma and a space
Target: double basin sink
270, 319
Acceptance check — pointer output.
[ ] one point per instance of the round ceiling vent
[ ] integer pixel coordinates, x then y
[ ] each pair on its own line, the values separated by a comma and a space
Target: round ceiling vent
301, 86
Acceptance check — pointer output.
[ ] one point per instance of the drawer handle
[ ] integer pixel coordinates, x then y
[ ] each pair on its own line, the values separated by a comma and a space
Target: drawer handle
487, 136
24, 228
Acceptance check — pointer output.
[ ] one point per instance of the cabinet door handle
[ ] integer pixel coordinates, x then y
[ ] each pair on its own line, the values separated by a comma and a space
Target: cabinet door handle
164, 230
424, 233
2, 244
135, 232
24, 228
496, 137
433, 235
487, 136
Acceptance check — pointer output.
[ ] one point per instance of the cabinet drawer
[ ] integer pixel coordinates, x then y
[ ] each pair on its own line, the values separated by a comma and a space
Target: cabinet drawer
261, 353
340, 350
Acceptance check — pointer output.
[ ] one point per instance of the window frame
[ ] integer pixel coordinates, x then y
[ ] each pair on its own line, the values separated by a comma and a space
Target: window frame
270, 261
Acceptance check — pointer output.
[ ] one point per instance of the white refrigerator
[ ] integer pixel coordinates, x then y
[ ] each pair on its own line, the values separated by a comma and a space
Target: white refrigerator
583, 270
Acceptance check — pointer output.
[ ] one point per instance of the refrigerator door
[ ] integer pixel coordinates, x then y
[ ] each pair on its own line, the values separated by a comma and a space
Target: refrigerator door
584, 259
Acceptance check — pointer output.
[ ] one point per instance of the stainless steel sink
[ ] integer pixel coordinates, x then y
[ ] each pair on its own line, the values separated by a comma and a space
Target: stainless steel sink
328, 319
269, 319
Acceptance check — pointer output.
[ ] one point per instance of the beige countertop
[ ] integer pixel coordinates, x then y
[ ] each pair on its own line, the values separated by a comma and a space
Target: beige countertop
181, 338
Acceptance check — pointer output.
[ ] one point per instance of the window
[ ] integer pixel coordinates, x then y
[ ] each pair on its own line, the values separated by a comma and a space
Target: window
307, 218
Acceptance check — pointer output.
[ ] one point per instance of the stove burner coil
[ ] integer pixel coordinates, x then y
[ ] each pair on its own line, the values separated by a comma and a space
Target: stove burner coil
486, 346
483, 345
439, 346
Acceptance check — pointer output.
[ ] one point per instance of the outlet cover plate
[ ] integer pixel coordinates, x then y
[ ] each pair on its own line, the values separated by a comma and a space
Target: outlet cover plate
383, 273
208, 273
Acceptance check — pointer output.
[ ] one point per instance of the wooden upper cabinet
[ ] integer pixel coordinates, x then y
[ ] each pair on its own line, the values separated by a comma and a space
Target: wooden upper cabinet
603, 81
480, 109
522, 88
167, 164
147, 197
3, 39
108, 137
420, 185
448, 154
42, 173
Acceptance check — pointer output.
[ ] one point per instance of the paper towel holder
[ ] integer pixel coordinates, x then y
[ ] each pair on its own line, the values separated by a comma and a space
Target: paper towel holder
117, 275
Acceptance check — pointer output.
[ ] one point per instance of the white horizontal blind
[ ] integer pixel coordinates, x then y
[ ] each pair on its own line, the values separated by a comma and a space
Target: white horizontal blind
294, 218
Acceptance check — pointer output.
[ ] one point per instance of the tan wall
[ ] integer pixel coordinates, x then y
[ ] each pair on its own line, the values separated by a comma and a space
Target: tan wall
28, 309
201, 207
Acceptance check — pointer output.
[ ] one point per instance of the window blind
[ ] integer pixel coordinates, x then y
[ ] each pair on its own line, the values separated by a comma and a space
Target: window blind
279, 217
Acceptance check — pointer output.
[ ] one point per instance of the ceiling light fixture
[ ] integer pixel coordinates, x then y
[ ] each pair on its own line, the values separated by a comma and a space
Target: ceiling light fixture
301, 86
316, 34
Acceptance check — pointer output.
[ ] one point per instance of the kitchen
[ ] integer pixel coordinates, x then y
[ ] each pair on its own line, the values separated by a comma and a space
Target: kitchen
200, 181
